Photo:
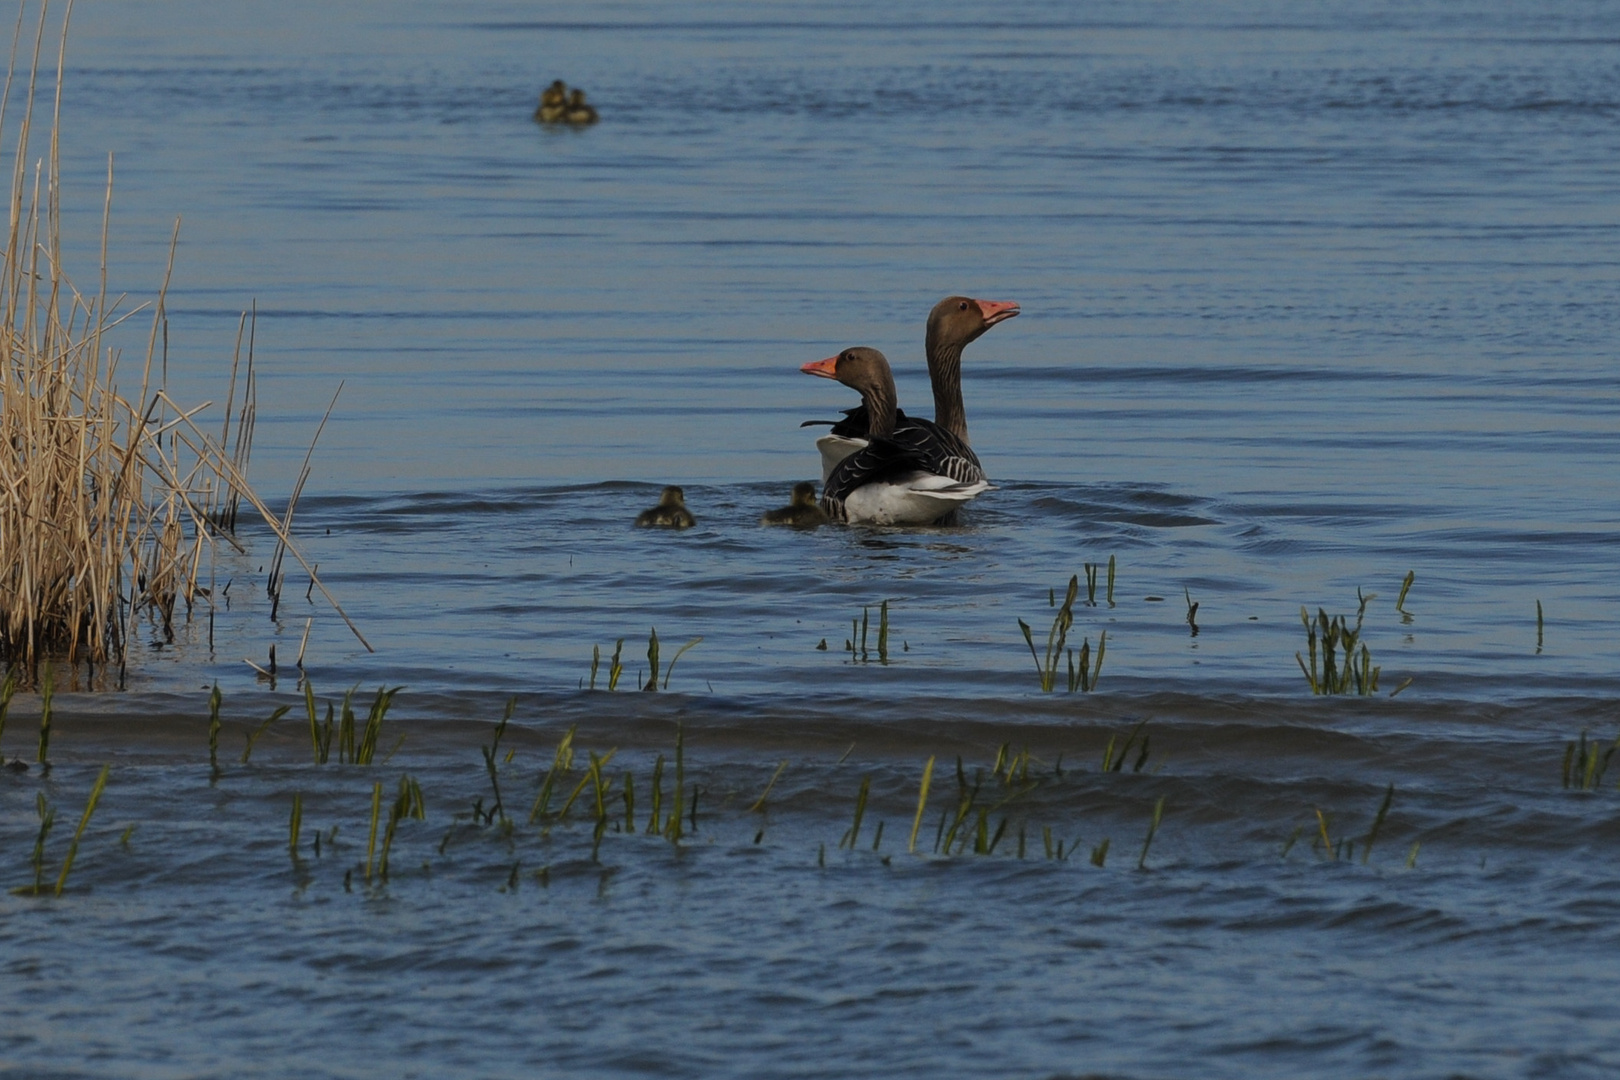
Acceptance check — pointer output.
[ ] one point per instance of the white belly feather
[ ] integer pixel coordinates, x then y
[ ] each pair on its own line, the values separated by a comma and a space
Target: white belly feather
834, 449
920, 498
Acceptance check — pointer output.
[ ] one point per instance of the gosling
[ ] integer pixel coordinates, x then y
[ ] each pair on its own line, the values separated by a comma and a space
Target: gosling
579, 113
802, 514
670, 513
553, 103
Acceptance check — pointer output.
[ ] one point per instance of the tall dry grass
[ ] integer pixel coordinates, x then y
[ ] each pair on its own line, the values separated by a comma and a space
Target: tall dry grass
109, 504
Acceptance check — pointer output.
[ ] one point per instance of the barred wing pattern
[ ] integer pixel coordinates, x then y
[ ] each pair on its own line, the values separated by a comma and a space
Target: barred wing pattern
924, 470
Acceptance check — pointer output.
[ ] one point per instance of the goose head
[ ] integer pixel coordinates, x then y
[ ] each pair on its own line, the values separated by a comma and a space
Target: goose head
958, 320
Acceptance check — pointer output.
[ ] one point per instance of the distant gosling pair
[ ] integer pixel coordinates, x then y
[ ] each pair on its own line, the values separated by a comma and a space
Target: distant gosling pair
558, 106
671, 511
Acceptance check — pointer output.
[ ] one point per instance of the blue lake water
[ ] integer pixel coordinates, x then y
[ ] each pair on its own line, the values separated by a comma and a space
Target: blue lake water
1313, 295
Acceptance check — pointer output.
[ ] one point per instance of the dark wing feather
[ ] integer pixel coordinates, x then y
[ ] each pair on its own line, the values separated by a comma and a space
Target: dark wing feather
877, 461
855, 423
938, 451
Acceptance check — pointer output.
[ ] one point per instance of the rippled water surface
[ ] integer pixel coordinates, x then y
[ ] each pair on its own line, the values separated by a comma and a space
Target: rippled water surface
1313, 295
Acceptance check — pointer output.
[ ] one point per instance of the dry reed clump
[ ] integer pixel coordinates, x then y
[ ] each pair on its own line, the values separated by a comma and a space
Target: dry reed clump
108, 504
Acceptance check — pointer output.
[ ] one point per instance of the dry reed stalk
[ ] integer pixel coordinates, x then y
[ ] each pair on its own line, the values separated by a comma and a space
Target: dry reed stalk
106, 503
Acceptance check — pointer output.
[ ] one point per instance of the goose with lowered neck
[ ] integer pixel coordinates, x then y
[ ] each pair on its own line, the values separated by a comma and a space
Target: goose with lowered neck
895, 479
953, 324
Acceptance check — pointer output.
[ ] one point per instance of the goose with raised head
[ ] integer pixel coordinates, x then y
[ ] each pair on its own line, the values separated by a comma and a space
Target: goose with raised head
953, 324
897, 477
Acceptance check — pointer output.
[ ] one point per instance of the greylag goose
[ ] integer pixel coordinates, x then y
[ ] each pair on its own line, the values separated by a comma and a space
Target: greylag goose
953, 324
901, 475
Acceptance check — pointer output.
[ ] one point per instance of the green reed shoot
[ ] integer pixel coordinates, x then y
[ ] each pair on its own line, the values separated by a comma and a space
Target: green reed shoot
1327, 844
1115, 762
1153, 828
1342, 669
1110, 581
345, 733
407, 803
682, 651
967, 802
295, 825
1406, 587
215, 698
560, 766
1411, 856
1001, 830
490, 753
1084, 676
46, 689
47, 820
600, 786
499, 809
759, 803
1011, 768
253, 735
1378, 824
629, 802
652, 659
314, 730
673, 827
1538, 627
979, 834
367, 748
1055, 638
592, 775
1585, 763
376, 812
1099, 854
854, 832
8, 690
922, 802
73, 845
615, 668
657, 796
596, 662
860, 635
1293, 838
1091, 584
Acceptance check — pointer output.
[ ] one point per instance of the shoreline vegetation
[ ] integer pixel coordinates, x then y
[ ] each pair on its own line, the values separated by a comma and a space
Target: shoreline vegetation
110, 505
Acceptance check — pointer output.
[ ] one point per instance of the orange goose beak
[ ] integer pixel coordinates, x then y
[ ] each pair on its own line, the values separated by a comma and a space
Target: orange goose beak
827, 369
995, 311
